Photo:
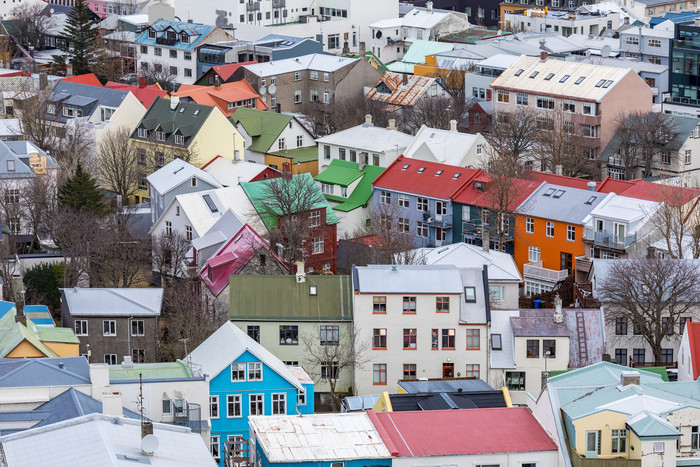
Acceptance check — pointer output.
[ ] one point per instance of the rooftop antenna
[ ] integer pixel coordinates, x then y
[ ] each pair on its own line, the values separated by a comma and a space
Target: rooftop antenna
139, 401
187, 355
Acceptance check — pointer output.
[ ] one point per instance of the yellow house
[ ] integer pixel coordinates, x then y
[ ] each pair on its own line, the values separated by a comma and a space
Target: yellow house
176, 129
302, 160
22, 339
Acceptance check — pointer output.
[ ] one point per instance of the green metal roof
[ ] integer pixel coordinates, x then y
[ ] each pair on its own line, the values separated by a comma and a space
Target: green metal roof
343, 173
54, 334
275, 298
305, 154
659, 370
421, 49
149, 371
648, 425
13, 333
256, 192
263, 127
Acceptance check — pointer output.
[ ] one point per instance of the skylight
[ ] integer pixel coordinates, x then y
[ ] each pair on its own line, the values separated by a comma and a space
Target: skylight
564, 78
405, 167
519, 72
420, 171
210, 203
580, 80
439, 172
549, 192
196, 112
600, 83
549, 76
591, 199
182, 109
607, 84
558, 194
534, 73
456, 176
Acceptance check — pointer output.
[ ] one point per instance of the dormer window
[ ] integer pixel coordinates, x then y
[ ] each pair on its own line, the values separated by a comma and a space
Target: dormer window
185, 38
160, 135
142, 133
479, 186
179, 140
151, 33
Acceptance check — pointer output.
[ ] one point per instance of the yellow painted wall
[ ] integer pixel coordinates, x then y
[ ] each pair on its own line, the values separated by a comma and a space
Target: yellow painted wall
383, 404
26, 350
635, 443
310, 167
63, 349
605, 421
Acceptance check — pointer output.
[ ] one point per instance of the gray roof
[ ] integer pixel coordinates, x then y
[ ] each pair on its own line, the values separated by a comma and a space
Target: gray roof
62, 371
404, 279
87, 96
222, 230
369, 138
501, 265
113, 302
560, 203
500, 324
177, 172
10, 160
537, 325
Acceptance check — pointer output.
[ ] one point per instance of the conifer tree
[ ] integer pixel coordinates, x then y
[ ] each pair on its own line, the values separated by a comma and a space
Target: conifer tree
79, 38
81, 193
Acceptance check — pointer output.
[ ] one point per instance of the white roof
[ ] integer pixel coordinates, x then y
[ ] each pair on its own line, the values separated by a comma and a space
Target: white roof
410, 278
637, 66
318, 437
227, 344
369, 138
636, 403
585, 90
500, 324
176, 173
97, 439
416, 18
317, 62
229, 172
114, 301
501, 266
622, 208
9, 126
648, 32
502, 61
444, 146
301, 374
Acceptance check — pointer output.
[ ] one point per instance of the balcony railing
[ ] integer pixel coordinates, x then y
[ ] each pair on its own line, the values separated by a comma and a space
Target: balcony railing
634, 364
475, 228
683, 101
279, 3
537, 272
607, 239
391, 40
162, 40
189, 415
443, 221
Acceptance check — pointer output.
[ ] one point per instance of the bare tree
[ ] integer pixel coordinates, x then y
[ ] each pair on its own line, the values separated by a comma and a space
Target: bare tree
560, 143
78, 234
513, 136
652, 294
117, 165
32, 26
9, 266
327, 359
677, 220
169, 257
158, 72
434, 112
38, 199
325, 119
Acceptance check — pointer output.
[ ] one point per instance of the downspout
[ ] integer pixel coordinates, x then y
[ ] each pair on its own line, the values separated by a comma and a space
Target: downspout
487, 308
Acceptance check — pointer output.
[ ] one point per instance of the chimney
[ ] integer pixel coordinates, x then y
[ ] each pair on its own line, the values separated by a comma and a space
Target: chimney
591, 186
190, 21
99, 376
174, 102
543, 55
128, 362
112, 404
61, 365
405, 79
142, 82
146, 429
453, 125
559, 170
485, 237
21, 319
392, 124
629, 377
558, 315
429, 6
422, 385
43, 81
300, 274
368, 119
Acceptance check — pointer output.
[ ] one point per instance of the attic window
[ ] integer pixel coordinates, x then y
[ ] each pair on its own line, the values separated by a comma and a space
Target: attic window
549, 192
194, 181
496, 343
564, 78
420, 171
238, 238
607, 84
479, 186
549, 76
438, 173
10, 166
470, 294
558, 194
182, 109
456, 176
152, 33
210, 203
405, 167
313, 290
196, 112
519, 72
591, 199
600, 83
580, 80
534, 73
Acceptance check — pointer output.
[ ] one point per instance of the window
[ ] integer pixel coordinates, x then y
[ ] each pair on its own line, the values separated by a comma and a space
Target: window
300, 141
313, 75
297, 96
279, 403
109, 328
238, 372
142, 133
533, 348
515, 380
301, 397
314, 218
496, 342
404, 226
521, 98
330, 334
409, 371
580, 80
384, 197
472, 370
529, 225
470, 294
173, 53
329, 370
81, 327
442, 304
550, 229
421, 229
138, 355
281, 144
188, 233
688, 156
638, 355
619, 441
658, 447
403, 201
188, 56
503, 96
570, 233
667, 355
157, 51
255, 371
379, 374
621, 356
497, 292
621, 326
422, 204
434, 340
473, 339
317, 246
179, 140
667, 325
214, 447
695, 438
533, 254
448, 339
333, 41
632, 40
213, 406
326, 97
409, 305
549, 348
545, 103
654, 43
289, 335
379, 304
409, 339
257, 405
379, 339
137, 327
111, 358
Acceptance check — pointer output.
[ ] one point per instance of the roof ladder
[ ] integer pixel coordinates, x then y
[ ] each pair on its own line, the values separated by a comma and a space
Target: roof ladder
581, 331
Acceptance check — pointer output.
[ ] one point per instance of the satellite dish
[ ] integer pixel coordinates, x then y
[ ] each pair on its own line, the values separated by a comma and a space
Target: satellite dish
149, 444
500, 32
263, 90
51, 11
272, 89
605, 51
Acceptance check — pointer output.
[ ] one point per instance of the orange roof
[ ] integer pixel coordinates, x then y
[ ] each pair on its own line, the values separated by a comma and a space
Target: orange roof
145, 94
222, 95
88, 78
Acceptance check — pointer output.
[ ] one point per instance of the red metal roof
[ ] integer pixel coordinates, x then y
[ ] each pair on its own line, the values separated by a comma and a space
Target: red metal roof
222, 95
693, 332
146, 94
461, 431
88, 78
486, 198
225, 71
405, 175
562, 180
610, 185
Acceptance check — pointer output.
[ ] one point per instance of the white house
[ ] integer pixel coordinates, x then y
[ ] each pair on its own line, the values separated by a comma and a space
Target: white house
448, 147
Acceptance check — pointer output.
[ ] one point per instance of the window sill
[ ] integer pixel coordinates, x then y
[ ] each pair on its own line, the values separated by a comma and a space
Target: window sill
473, 348
410, 348
448, 348
378, 348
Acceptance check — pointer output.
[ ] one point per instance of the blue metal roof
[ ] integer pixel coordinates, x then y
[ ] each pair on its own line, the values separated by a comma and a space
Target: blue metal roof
75, 371
71, 404
197, 33
684, 17
5, 307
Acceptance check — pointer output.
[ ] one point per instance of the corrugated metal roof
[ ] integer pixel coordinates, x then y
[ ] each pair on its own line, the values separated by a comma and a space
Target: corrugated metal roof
113, 301
445, 385
177, 172
316, 62
229, 172
400, 93
44, 372
560, 203
411, 278
369, 138
443, 146
149, 371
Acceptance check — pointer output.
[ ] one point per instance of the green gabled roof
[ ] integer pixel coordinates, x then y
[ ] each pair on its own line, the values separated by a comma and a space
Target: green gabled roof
659, 370
305, 154
343, 173
649, 425
54, 334
149, 371
13, 333
182, 117
256, 191
263, 127
274, 298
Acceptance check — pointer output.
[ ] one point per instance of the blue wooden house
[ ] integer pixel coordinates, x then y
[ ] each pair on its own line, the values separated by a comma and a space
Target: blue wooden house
246, 379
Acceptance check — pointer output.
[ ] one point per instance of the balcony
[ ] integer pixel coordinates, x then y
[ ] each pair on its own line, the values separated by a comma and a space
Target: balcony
252, 6
583, 264
474, 229
189, 415
279, 3
683, 101
162, 40
535, 271
442, 221
392, 41
605, 238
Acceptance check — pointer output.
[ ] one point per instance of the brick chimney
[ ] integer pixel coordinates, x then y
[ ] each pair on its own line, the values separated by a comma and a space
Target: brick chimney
543, 55
142, 82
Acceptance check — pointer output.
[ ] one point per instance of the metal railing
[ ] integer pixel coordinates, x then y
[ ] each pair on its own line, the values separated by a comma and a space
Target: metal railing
190, 415
535, 270
606, 238
163, 40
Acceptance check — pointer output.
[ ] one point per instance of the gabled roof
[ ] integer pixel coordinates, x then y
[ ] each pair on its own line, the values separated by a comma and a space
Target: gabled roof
113, 301
316, 62
446, 147
563, 180
146, 94
421, 178
263, 127
38, 314
501, 265
86, 96
461, 432
222, 95
230, 172
60, 371
400, 93
649, 425
229, 342
186, 119
470, 195
225, 71
13, 333
560, 203
369, 138
641, 189
177, 172
88, 78
11, 165
448, 400
625, 209
344, 173
407, 278
444, 385
197, 33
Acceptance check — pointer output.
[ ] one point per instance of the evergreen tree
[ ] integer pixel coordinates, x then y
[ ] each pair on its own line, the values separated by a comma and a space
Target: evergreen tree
79, 38
81, 193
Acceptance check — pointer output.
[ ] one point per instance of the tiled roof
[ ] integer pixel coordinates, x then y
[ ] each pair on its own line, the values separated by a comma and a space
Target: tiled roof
222, 95
400, 94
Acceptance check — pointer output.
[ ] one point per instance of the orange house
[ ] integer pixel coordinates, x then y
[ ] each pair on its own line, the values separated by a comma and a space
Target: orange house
549, 234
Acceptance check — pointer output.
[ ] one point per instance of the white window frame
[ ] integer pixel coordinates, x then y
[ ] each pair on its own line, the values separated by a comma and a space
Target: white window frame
84, 328
534, 254
258, 398
549, 228
215, 441
279, 398
317, 246
112, 328
239, 367
231, 401
384, 197
254, 366
571, 233
403, 201
214, 402
143, 327
529, 225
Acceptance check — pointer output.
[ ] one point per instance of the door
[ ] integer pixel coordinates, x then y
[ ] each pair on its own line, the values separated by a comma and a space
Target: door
592, 444
448, 370
566, 261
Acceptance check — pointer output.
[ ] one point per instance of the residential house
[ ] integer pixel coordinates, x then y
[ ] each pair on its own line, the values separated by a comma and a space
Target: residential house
508, 6
492, 436
145, 94
647, 44
392, 37
485, 14
549, 227
175, 178
646, 9
454, 300
365, 144
417, 54
113, 322
218, 74
594, 96
20, 338
441, 385
104, 439
422, 192
349, 191
212, 240
230, 172
228, 97
448, 147
266, 132
319, 308
294, 161
688, 358
190, 131
173, 46
245, 379
503, 276
286, 85
356, 441
565, 22
321, 228
402, 90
